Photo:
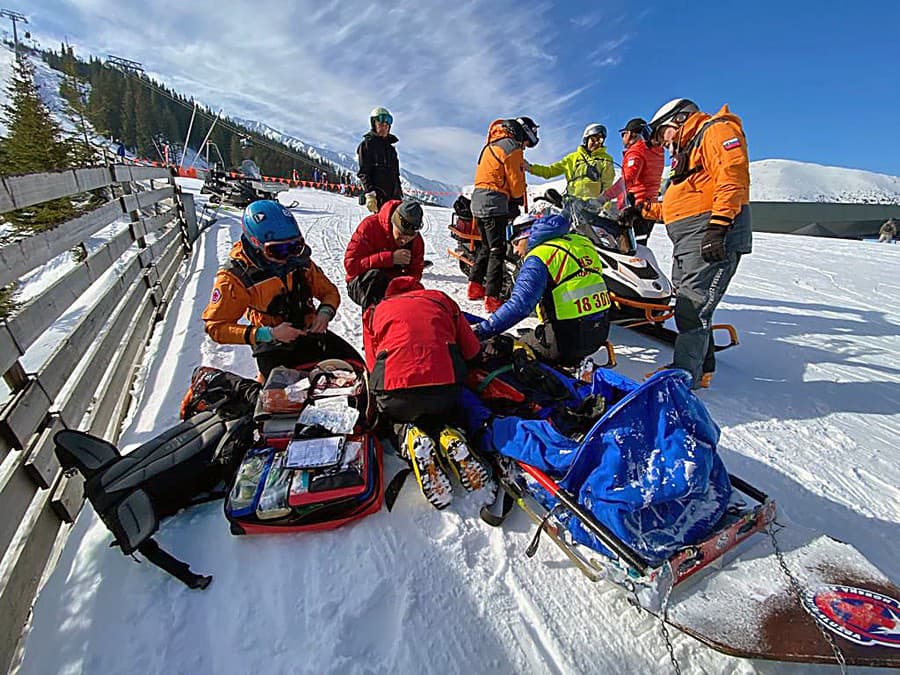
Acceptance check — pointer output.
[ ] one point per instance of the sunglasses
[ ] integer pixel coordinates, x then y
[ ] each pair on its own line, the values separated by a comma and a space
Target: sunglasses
286, 248
409, 228
384, 119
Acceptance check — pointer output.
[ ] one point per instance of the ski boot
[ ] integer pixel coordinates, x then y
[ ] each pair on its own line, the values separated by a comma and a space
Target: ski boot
475, 291
432, 479
473, 474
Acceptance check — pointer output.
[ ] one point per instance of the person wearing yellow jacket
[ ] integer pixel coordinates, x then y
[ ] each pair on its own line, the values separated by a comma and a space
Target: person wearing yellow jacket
270, 280
706, 210
589, 170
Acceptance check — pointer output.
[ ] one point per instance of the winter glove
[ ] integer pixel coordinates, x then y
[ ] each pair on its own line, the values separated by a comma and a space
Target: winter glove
630, 216
372, 202
713, 247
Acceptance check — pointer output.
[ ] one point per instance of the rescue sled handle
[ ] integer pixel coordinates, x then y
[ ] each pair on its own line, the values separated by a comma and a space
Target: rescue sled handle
598, 529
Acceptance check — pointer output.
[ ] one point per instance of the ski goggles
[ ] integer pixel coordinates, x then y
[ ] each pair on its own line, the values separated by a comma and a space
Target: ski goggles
384, 119
286, 248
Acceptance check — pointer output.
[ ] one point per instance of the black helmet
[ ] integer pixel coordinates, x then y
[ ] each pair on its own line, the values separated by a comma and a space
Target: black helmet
529, 131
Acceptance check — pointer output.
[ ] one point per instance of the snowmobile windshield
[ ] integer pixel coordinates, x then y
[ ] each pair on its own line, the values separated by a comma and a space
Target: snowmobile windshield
249, 169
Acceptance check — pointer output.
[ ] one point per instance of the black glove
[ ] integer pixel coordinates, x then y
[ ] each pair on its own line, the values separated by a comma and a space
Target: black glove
713, 247
630, 216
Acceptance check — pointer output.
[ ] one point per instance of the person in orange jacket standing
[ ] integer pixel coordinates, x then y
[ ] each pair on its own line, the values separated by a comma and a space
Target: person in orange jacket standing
706, 210
498, 195
270, 280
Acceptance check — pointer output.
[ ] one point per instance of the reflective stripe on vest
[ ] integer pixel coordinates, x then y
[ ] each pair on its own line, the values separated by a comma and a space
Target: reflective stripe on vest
576, 279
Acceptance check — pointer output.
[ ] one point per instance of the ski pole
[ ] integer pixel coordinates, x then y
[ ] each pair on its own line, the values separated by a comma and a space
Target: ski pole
598, 529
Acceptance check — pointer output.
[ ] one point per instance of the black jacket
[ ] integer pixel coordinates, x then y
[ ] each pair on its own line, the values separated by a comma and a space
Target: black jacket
379, 168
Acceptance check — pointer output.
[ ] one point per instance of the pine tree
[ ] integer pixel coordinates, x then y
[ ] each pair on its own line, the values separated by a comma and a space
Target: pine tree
33, 144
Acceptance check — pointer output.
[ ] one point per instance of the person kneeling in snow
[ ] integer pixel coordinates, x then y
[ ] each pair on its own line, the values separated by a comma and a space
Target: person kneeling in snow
417, 342
270, 279
563, 276
385, 245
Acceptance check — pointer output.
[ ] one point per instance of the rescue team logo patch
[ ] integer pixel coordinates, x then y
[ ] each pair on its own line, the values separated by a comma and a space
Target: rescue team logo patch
216, 296
732, 143
861, 616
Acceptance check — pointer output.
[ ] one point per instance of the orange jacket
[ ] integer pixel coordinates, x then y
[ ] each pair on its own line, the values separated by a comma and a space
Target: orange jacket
501, 165
722, 185
242, 289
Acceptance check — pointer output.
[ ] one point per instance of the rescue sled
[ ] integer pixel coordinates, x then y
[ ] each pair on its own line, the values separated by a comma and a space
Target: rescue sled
640, 498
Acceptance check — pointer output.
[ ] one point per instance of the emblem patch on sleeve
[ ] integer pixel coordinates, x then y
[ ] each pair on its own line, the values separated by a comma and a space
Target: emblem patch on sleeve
216, 296
732, 143
631, 162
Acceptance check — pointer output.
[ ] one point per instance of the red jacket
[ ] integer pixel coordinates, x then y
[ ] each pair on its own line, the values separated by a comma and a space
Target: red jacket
372, 247
416, 338
642, 168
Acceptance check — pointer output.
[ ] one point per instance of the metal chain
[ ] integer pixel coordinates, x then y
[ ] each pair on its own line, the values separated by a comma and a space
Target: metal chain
662, 618
797, 589
665, 629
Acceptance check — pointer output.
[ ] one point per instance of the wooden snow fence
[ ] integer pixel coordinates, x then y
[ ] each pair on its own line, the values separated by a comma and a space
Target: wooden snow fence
85, 378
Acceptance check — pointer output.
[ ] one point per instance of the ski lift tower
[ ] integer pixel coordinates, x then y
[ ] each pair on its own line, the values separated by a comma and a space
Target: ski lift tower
127, 66
15, 17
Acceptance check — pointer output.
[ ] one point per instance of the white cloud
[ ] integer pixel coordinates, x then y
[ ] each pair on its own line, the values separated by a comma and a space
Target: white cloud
314, 69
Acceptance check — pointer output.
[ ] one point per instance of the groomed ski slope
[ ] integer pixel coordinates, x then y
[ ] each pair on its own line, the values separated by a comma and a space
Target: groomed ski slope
809, 406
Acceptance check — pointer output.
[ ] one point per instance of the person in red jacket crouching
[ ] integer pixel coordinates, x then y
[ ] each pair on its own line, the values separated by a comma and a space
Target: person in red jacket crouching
642, 168
385, 245
417, 343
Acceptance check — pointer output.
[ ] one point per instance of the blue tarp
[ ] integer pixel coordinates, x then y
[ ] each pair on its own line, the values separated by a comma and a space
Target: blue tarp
648, 469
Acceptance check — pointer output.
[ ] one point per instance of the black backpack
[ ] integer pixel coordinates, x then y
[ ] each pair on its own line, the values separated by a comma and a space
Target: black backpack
181, 467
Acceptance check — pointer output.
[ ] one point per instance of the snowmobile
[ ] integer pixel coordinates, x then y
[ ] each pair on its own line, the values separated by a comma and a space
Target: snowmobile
642, 296
465, 232
238, 188
652, 509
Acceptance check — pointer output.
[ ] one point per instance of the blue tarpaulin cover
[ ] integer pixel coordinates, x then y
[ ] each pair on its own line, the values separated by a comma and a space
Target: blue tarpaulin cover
648, 469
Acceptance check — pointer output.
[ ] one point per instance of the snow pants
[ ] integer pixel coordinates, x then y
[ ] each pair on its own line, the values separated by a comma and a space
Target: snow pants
489, 260
566, 343
305, 349
700, 286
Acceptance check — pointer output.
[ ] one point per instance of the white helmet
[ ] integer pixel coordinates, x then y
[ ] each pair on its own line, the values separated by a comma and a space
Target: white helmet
673, 114
593, 130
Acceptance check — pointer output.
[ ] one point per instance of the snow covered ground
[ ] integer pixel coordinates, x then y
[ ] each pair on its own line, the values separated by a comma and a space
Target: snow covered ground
809, 405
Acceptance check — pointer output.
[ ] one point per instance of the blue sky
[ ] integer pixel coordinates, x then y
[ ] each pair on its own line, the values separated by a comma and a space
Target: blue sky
812, 83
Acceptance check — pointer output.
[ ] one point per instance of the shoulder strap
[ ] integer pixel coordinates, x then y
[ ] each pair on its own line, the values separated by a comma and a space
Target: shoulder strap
247, 276
694, 142
581, 268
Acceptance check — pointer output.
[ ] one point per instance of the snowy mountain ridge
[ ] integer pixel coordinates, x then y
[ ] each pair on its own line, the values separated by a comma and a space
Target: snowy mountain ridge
785, 180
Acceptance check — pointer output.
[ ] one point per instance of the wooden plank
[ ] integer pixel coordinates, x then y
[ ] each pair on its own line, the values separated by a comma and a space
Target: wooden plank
42, 465
157, 222
41, 312
130, 174
20, 257
31, 189
16, 492
24, 414
117, 379
79, 399
63, 362
21, 571
151, 197
9, 350
68, 498
190, 216
93, 178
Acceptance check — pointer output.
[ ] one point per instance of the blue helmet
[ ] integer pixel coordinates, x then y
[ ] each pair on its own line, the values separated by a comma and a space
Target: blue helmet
272, 230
